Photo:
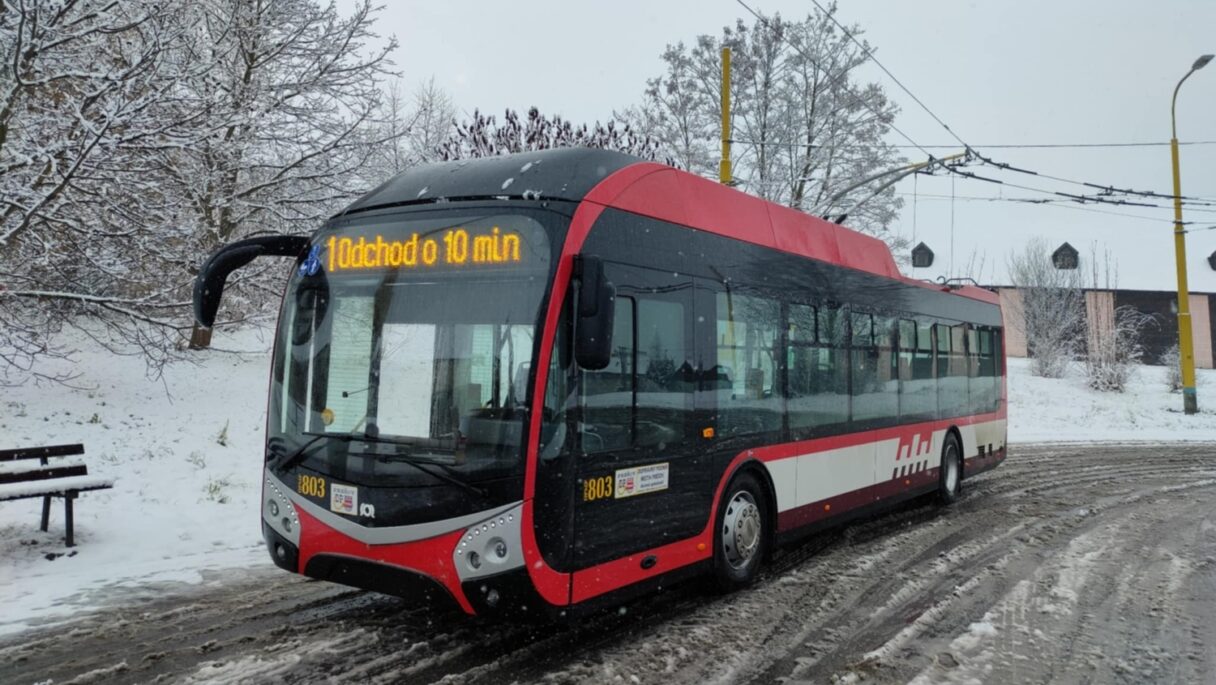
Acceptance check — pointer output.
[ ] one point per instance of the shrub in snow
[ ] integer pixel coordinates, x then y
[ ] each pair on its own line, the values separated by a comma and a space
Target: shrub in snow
216, 490
1172, 359
1115, 350
222, 438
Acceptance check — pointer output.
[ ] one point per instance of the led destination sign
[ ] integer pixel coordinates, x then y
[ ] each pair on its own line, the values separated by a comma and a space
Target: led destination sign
455, 247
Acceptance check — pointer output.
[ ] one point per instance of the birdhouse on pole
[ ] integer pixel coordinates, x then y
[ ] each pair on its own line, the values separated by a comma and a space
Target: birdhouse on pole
922, 256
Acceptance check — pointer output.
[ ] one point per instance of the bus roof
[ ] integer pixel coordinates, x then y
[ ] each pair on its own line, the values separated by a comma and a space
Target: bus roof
613, 179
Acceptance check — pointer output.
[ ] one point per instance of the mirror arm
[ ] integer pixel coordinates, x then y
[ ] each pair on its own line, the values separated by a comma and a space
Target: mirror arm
209, 284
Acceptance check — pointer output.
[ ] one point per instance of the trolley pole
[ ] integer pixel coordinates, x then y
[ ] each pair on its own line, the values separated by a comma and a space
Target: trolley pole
1186, 346
724, 171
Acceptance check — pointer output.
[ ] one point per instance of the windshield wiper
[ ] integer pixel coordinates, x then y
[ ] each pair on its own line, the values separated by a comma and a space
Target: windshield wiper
298, 455
444, 473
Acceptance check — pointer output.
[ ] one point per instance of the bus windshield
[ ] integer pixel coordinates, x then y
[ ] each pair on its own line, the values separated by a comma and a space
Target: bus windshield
412, 339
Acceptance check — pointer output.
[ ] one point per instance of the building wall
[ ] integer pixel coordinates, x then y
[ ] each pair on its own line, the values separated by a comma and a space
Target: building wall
1162, 333
1100, 305
1015, 324
1201, 329
1099, 315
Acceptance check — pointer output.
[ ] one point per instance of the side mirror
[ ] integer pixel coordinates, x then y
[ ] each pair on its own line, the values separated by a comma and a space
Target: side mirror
209, 285
594, 314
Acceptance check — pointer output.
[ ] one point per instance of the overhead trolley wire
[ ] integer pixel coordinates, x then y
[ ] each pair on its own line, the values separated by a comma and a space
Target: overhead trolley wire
1042, 202
764, 20
1016, 146
1108, 189
1081, 199
887, 71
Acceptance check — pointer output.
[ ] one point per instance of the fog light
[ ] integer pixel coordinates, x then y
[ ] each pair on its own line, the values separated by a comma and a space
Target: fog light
280, 552
501, 549
474, 560
492, 598
286, 524
273, 507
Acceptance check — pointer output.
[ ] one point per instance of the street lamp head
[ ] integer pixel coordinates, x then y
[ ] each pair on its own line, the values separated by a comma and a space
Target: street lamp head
1201, 62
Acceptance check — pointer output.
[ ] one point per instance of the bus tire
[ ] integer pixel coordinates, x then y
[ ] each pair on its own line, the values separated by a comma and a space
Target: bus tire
950, 475
741, 536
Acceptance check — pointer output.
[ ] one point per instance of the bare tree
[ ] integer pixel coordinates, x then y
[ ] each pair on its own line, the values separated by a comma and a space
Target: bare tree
805, 130
678, 112
416, 127
1051, 309
1113, 350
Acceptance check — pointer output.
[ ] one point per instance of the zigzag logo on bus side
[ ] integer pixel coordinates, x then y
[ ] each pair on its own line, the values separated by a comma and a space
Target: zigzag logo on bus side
915, 446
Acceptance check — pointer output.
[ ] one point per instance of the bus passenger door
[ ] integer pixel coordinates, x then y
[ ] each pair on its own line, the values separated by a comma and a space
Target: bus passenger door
641, 482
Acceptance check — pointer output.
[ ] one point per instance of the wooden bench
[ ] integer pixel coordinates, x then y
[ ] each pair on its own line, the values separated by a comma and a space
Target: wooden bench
21, 478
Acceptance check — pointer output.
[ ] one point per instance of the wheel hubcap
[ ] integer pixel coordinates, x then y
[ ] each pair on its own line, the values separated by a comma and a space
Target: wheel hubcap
741, 530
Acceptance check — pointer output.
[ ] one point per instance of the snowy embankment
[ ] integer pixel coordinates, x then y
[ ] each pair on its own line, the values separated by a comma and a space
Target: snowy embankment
185, 452
1066, 410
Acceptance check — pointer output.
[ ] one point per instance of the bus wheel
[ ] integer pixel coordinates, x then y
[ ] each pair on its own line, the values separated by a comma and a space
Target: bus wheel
742, 538
950, 476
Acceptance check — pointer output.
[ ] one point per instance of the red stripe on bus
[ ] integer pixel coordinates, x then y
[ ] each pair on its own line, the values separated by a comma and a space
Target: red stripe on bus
800, 448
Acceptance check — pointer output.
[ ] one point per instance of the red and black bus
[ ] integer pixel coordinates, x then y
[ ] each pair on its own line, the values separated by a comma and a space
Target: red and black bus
556, 379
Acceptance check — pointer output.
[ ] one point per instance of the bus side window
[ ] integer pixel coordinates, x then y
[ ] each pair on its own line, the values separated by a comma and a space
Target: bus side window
665, 377
819, 380
874, 395
607, 395
749, 338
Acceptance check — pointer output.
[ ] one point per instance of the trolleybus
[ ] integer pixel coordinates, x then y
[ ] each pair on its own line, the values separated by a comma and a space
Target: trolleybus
558, 379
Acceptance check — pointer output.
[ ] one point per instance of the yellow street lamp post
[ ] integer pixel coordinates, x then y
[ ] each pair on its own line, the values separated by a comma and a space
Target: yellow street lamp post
1186, 345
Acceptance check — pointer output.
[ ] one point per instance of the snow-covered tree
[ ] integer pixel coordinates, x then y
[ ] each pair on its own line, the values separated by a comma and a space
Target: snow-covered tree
483, 136
1050, 307
78, 85
137, 135
804, 129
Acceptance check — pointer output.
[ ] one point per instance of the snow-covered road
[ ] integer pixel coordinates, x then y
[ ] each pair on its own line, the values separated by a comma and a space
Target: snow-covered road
1068, 564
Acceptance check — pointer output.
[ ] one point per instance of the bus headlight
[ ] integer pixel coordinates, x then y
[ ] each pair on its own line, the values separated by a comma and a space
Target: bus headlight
490, 546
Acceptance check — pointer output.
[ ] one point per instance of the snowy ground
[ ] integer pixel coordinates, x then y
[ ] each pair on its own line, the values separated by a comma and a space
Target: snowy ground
185, 452
1069, 564
1065, 410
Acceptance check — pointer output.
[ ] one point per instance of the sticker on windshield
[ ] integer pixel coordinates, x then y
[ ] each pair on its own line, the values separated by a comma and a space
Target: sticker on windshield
343, 499
640, 480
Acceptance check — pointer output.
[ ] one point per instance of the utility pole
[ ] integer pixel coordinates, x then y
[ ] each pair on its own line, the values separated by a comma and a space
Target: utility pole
724, 171
1186, 346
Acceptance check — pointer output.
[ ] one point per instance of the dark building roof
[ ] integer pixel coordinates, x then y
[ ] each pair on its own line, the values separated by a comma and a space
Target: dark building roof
562, 174
1065, 257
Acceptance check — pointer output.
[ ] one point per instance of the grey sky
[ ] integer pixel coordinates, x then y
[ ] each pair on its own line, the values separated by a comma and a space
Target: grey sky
1032, 71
